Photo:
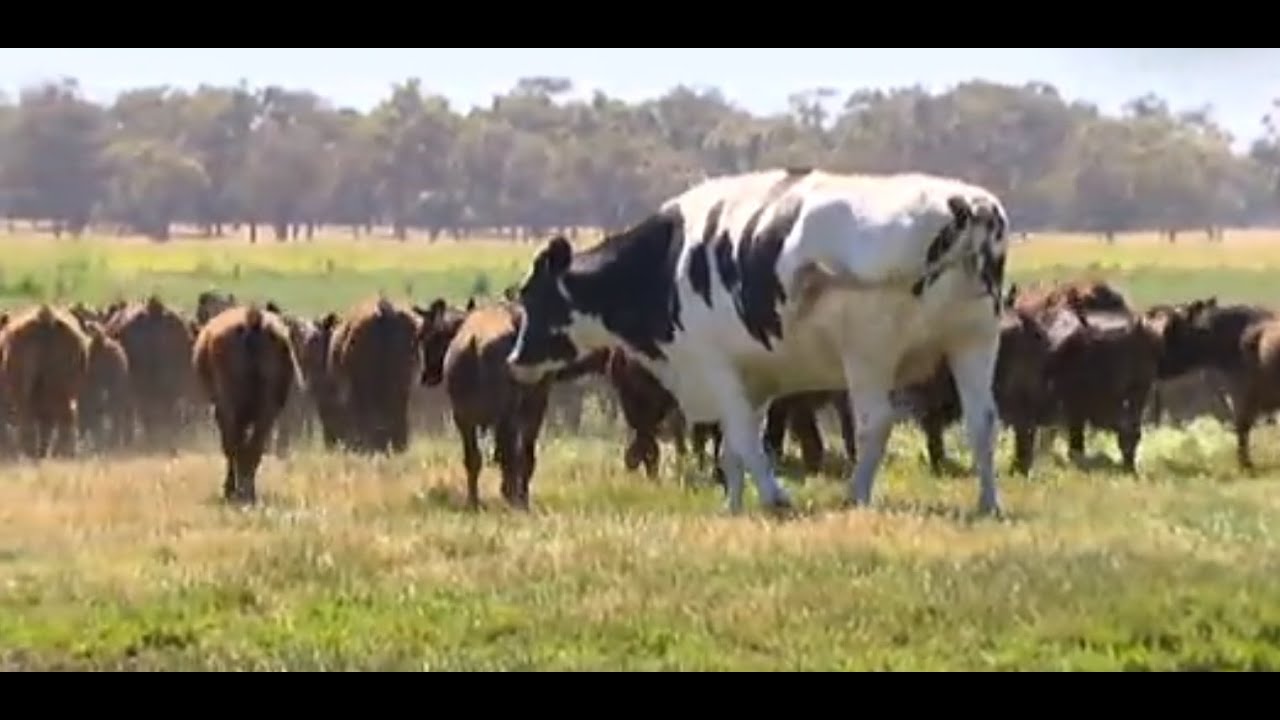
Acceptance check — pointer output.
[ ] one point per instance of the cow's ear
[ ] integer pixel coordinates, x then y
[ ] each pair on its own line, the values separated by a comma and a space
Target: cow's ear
557, 255
511, 293
960, 208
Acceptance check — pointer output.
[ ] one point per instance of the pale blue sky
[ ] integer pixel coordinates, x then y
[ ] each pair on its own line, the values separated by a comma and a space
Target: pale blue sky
1239, 82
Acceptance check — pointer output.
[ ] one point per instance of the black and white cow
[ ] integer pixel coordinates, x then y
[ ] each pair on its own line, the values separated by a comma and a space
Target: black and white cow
751, 286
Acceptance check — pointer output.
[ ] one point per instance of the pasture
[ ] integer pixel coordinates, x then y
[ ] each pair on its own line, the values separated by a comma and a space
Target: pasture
359, 563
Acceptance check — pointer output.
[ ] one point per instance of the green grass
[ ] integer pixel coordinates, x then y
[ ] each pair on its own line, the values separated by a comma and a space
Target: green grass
132, 563
373, 564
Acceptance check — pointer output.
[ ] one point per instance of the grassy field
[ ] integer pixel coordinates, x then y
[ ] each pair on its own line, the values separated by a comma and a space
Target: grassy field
371, 563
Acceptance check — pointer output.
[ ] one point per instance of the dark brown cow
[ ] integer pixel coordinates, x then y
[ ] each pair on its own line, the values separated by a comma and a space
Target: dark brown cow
1182, 398
373, 360
1240, 341
648, 410
1023, 398
246, 368
799, 413
322, 388
295, 420
1038, 367
483, 394
211, 302
158, 342
6, 408
105, 406
43, 358
1101, 374
1080, 294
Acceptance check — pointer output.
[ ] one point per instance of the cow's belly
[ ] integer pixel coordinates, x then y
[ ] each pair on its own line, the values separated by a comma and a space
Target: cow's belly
891, 337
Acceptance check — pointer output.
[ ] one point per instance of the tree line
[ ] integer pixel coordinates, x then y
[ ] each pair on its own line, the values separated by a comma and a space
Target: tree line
533, 161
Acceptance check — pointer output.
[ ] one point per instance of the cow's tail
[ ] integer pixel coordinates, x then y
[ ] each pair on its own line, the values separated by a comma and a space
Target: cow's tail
254, 340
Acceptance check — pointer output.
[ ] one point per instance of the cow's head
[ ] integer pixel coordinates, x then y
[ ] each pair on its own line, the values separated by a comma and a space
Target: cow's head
440, 324
979, 225
548, 324
1189, 334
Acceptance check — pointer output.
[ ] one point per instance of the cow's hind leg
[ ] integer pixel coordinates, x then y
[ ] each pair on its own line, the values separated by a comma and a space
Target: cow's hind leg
250, 459
65, 422
472, 460
973, 367
873, 420
229, 434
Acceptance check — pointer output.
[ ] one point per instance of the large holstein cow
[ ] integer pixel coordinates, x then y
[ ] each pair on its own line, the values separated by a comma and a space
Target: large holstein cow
752, 286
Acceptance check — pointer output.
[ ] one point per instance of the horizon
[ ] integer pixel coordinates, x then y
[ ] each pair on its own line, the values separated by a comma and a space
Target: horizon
1240, 84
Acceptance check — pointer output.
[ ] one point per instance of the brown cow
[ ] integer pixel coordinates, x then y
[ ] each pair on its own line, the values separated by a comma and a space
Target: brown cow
1182, 398
246, 368
295, 420
211, 302
43, 358
105, 407
373, 359
158, 342
6, 408
322, 388
648, 410
1080, 294
1240, 341
1101, 373
483, 394
1020, 385
799, 413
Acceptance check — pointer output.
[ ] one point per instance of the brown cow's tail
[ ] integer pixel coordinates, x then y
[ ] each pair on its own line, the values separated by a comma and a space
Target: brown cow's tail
254, 339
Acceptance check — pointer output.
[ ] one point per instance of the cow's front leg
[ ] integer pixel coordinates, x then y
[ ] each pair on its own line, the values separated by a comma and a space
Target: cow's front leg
743, 447
973, 366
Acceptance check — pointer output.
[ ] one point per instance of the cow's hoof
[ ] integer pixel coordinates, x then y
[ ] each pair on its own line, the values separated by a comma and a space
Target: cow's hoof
780, 504
990, 509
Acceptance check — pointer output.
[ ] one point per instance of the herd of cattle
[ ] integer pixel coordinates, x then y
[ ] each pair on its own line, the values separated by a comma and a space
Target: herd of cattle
746, 300
131, 374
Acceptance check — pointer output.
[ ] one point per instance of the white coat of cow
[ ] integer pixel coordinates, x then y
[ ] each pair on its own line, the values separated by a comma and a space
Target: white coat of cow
751, 286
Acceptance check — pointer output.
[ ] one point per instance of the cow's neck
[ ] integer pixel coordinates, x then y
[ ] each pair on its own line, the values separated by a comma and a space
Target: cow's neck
627, 283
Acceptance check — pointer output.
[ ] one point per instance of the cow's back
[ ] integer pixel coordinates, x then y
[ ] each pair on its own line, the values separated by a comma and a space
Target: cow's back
475, 368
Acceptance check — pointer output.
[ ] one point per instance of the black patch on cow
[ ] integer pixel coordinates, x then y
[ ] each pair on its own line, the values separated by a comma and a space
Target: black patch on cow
761, 292
942, 244
628, 282
993, 267
699, 264
938, 249
728, 271
757, 291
